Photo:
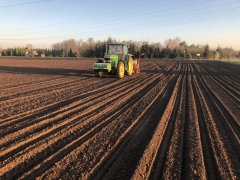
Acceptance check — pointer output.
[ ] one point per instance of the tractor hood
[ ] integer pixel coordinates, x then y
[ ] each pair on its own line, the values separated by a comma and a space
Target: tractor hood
110, 57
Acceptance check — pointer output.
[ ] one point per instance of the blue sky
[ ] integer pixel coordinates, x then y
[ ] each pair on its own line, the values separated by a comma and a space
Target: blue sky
44, 22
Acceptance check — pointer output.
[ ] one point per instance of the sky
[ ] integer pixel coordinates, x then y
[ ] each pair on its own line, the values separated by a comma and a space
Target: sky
44, 22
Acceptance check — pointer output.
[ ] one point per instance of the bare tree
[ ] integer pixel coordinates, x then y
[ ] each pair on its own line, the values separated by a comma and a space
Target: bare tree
66, 46
172, 43
29, 47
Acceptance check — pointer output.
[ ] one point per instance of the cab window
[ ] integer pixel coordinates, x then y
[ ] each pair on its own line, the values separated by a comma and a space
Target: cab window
125, 49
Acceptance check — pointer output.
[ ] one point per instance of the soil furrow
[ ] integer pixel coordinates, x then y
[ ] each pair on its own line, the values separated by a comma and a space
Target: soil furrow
58, 145
88, 90
35, 81
64, 83
73, 108
167, 159
222, 159
122, 165
231, 107
212, 171
227, 119
55, 121
177, 119
96, 141
225, 83
193, 164
230, 101
112, 124
25, 104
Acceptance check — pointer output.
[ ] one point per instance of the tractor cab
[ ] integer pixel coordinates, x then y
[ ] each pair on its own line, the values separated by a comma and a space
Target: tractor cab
115, 52
118, 49
116, 61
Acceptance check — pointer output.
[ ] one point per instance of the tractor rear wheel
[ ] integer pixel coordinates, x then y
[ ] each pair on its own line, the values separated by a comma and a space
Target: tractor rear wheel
99, 74
130, 66
120, 69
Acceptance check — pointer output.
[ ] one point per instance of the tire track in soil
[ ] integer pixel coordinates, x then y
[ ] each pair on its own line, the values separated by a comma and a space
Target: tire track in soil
153, 160
121, 162
179, 156
119, 117
170, 147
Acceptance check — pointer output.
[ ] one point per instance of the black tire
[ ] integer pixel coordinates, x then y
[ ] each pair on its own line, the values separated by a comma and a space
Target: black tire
99, 74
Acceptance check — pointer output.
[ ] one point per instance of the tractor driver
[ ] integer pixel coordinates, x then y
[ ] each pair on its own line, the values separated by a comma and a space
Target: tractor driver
111, 50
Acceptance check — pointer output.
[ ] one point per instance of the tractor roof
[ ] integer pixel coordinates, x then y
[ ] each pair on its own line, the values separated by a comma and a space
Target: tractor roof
117, 44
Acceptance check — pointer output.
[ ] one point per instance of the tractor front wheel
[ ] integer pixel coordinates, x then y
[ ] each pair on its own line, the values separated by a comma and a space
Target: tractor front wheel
99, 74
120, 69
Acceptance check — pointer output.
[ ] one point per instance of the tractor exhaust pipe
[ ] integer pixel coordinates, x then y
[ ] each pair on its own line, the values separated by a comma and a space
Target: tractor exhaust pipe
106, 49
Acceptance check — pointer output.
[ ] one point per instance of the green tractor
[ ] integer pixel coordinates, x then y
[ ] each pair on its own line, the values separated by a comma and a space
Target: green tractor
116, 61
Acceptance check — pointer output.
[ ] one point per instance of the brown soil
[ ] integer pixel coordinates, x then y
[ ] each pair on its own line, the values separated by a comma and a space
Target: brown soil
174, 120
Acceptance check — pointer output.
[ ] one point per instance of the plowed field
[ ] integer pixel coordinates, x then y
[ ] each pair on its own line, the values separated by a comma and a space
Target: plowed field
176, 119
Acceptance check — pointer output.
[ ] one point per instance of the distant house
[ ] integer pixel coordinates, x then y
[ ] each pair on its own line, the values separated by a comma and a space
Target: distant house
31, 53
34, 53
27, 53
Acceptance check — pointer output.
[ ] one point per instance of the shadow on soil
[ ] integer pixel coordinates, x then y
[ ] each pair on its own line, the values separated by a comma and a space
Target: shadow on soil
50, 71
89, 73
47, 71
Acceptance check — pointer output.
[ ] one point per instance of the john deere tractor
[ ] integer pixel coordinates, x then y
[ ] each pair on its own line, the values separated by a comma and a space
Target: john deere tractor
116, 61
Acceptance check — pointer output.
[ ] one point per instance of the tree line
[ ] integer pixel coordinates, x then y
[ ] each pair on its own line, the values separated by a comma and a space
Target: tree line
172, 48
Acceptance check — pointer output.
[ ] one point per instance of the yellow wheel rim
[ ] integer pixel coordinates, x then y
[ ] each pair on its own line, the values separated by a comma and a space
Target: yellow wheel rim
130, 66
121, 70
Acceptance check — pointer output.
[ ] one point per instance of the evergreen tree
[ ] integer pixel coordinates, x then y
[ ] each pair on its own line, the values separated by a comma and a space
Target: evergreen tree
206, 53
71, 53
